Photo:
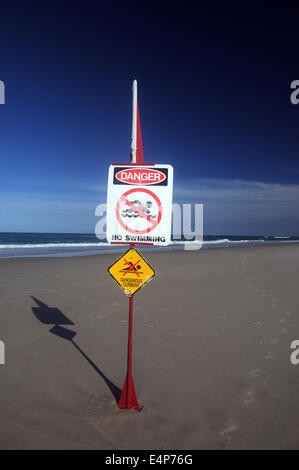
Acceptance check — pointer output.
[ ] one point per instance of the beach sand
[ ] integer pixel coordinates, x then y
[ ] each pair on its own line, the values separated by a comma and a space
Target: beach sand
211, 352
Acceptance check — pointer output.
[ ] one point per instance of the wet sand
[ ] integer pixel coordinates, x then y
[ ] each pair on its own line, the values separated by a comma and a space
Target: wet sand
211, 352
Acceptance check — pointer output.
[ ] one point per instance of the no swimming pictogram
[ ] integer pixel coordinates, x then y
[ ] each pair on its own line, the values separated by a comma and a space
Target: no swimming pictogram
139, 211
131, 268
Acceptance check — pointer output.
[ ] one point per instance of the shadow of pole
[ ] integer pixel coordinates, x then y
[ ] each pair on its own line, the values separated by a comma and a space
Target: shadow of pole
54, 316
116, 392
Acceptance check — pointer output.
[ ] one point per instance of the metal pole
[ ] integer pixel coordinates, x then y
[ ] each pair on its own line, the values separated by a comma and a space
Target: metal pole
128, 398
134, 123
130, 335
129, 371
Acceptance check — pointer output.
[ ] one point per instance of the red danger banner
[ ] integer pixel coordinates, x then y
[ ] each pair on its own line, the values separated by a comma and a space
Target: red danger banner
140, 176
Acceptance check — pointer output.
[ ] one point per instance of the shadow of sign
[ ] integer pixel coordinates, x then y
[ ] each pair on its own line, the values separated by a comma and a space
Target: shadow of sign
53, 316
49, 315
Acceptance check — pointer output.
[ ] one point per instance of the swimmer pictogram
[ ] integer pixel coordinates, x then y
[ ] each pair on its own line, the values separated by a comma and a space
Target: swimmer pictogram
149, 212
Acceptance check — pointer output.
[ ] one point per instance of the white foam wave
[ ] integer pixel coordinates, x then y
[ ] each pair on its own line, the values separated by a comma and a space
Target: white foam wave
217, 242
55, 245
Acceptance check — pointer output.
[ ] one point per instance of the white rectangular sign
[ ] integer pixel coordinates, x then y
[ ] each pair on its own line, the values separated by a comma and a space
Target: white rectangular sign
139, 204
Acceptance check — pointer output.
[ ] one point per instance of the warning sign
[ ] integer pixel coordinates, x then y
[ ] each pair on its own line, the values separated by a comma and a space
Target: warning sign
139, 204
131, 272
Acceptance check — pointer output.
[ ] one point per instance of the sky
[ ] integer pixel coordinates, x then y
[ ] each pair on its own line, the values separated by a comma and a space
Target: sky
214, 99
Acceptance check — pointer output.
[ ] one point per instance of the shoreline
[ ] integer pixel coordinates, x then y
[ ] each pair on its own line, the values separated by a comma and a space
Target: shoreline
112, 249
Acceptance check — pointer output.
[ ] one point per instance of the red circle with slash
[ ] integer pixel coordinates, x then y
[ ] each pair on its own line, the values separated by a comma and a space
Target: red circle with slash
123, 199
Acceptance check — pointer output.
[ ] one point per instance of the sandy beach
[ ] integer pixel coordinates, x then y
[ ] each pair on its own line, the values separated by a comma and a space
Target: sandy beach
211, 352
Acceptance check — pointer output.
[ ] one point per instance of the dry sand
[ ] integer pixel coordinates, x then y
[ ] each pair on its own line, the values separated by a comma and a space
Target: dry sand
211, 352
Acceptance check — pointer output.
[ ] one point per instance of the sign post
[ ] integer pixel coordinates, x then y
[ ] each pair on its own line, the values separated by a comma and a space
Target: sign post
139, 209
128, 398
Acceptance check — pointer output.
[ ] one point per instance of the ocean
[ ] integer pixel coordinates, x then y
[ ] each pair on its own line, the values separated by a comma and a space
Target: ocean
73, 244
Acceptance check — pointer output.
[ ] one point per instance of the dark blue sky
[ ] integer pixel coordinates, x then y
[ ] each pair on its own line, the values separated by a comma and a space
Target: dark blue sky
214, 96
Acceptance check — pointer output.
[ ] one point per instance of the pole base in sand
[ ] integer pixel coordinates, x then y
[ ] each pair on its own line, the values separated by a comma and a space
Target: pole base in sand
128, 397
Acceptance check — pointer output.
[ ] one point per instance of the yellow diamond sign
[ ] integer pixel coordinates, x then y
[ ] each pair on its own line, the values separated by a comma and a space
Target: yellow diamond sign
131, 272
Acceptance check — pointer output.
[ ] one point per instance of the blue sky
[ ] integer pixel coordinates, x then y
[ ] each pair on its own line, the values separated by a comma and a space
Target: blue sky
214, 97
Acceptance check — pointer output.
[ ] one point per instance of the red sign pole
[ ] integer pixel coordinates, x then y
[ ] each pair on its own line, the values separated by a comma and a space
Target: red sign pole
128, 398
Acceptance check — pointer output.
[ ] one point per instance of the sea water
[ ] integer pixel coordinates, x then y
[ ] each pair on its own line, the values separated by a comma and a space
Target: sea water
77, 244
